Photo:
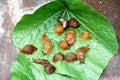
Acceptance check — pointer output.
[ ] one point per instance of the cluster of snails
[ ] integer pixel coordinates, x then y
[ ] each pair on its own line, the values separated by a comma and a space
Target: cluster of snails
70, 38
64, 23
29, 49
71, 57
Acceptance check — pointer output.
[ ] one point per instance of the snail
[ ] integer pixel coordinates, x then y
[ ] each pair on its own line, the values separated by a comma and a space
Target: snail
70, 57
63, 21
43, 62
70, 36
47, 44
63, 45
57, 57
85, 36
74, 23
59, 29
49, 68
81, 52
28, 49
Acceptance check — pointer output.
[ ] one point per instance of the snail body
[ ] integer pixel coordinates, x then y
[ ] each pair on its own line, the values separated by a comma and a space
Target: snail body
49, 68
81, 52
43, 62
47, 44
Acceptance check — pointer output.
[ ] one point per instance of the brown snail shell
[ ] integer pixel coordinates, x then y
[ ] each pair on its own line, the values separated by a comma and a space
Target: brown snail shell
28, 49
70, 57
85, 36
63, 45
81, 52
49, 69
57, 57
70, 36
47, 44
74, 23
59, 29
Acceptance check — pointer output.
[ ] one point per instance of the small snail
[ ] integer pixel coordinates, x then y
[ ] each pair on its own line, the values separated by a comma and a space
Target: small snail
85, 36
70, 57
63, 45
81, 52
74, 23
47, 44
49, 69
57, 57
63, 21
43, 62
28, 49
70, 37
59, 29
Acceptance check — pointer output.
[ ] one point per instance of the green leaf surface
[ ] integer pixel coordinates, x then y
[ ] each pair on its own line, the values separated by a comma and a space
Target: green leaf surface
29, 29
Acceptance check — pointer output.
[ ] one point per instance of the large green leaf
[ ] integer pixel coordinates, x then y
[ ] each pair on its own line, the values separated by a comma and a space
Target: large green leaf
103, 44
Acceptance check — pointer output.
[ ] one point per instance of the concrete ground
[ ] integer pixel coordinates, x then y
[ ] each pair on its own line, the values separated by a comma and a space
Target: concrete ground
11, 12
